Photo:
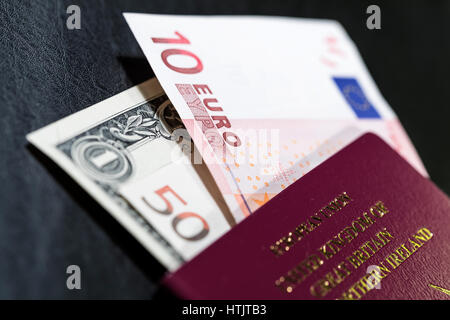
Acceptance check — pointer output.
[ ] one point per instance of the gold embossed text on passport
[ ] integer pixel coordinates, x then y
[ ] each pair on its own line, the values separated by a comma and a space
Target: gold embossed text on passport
330, 248
303, 229
385, 267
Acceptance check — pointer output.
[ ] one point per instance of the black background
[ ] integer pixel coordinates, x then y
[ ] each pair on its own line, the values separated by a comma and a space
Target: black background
48, 72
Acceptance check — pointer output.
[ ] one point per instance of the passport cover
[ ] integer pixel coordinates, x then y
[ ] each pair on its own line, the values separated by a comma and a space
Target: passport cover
362, 225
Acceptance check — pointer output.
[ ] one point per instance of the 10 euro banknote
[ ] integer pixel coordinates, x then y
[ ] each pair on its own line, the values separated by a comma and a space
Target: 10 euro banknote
258, 94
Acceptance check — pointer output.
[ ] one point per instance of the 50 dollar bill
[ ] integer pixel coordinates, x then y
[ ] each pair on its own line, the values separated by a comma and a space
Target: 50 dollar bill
122, 151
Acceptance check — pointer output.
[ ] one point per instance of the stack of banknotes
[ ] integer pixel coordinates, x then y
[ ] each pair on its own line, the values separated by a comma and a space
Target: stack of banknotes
241, 107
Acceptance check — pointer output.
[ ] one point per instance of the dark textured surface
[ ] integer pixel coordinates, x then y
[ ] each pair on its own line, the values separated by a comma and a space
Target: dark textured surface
48, 72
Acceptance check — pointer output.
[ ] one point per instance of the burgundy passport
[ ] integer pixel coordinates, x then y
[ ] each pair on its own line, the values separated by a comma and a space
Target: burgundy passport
362, 225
